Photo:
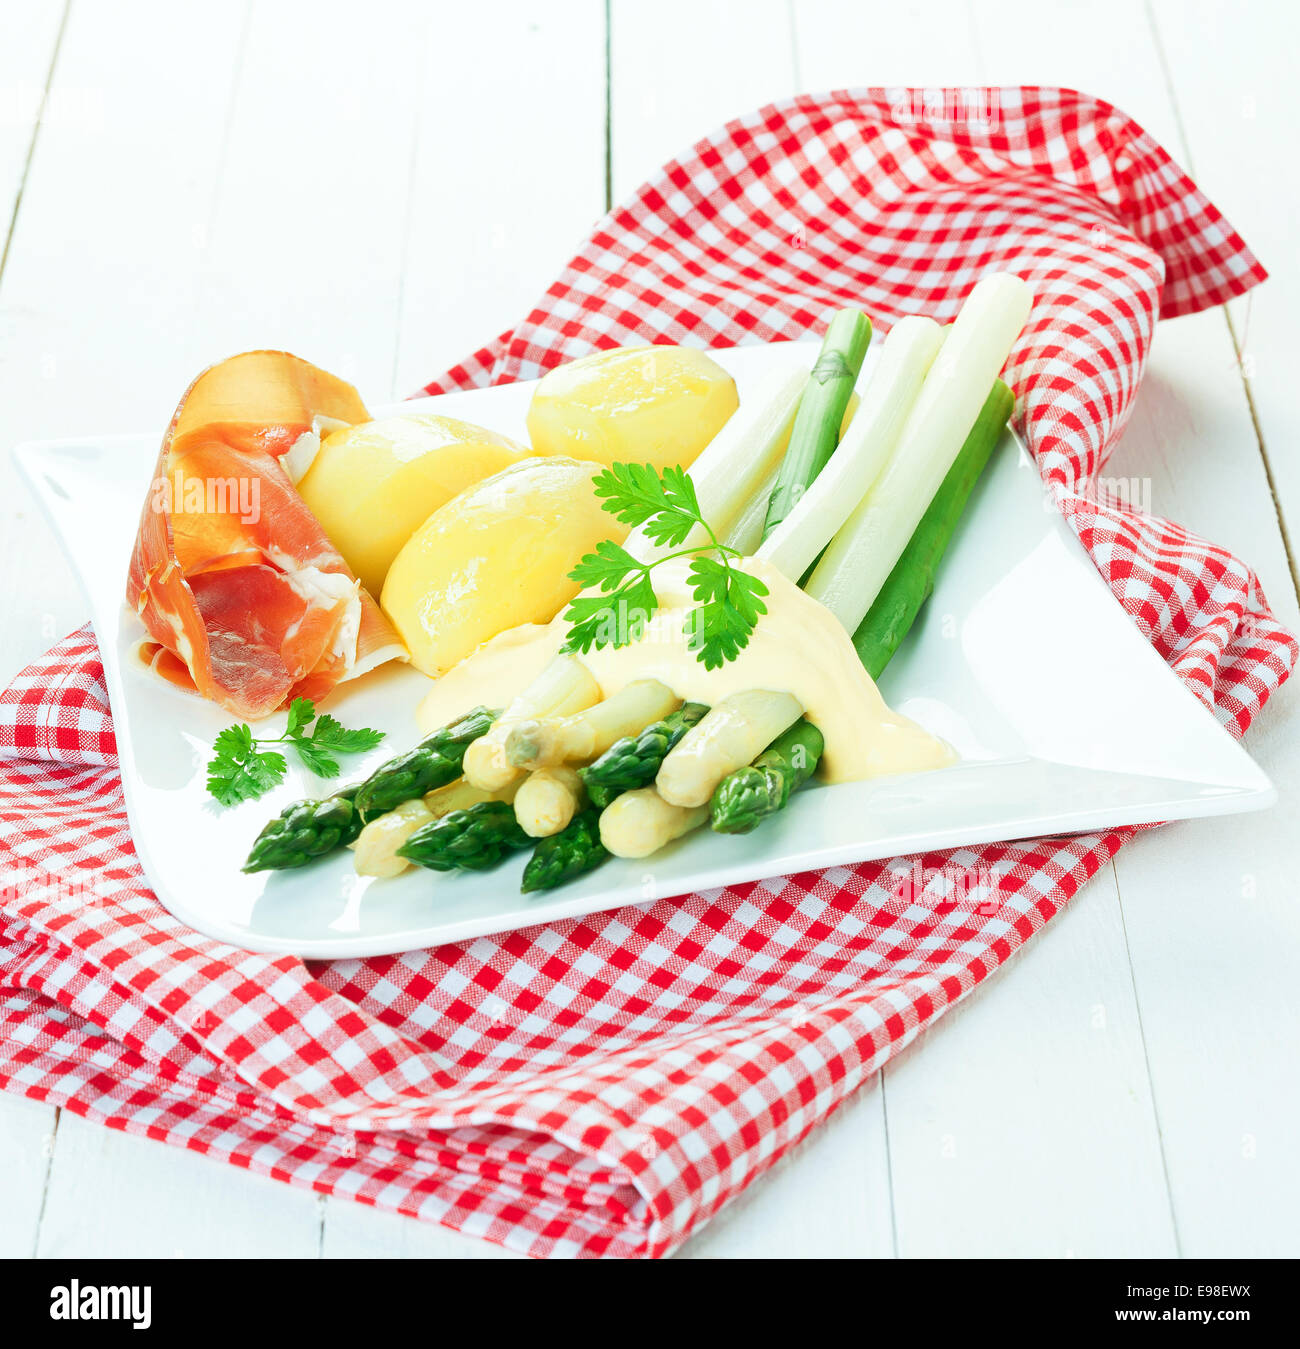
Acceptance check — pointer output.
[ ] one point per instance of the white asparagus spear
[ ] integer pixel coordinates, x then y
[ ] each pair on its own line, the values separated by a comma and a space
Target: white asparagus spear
641, 822
460, 795
864, 450
375, 850
745, 532
547, 800
736, 461
578, 739
563, 688
731, 735
860, 557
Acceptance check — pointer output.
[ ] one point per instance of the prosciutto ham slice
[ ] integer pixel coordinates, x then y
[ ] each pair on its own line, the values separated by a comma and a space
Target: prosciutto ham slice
246, 600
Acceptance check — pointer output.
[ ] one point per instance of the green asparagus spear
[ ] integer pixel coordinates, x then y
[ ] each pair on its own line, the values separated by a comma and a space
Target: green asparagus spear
305, 830
309, 829
909, 585
634, 760
816, 429
743, 798
576, 849
472, 839
434, 762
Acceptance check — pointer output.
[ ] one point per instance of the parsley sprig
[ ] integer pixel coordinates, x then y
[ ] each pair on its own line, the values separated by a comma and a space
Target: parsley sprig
664, 505
240, 771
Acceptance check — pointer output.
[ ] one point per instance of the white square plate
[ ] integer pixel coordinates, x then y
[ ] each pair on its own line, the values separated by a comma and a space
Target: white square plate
1064, 718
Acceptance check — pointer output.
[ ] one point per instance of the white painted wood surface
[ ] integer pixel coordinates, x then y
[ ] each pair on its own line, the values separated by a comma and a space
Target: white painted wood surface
385, 189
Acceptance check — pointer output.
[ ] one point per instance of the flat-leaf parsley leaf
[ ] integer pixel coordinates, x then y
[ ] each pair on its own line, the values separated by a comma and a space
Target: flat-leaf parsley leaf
663, 505
240, 771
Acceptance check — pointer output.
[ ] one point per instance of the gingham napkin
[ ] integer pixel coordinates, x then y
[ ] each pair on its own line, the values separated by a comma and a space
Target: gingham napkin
603, 1086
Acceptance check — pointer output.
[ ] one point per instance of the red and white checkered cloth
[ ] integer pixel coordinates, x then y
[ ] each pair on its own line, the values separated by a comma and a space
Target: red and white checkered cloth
603, 1086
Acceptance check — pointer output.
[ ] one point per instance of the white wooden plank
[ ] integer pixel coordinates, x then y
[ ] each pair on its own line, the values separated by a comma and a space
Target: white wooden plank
843, 45
303, 249
1213, 936
27, 1128
827, 1200
358, 1232
115, 1195
1190, 437
1067, 1114
97, 332
1189, 386
1210, 907
1231, 69
680, 69
1223, 1086
1102, 48
27, 1143
306, 246
1192, 448
1022, 1124
100, 282
26, 55
509, 171
96, 324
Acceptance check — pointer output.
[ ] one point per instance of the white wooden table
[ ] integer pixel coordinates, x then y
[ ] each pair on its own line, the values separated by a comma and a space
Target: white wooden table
381, 189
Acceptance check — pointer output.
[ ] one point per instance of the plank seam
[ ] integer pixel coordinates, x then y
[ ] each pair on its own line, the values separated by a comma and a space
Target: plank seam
412, 171
1263, 454
1146, 1061
223, 152
609, 107
792, 21
889, 1162
1172, 93
31, 144
45, 1186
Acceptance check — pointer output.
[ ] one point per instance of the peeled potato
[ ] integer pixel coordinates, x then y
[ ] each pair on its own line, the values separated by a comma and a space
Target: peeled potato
655, 405
372, 486
496, 556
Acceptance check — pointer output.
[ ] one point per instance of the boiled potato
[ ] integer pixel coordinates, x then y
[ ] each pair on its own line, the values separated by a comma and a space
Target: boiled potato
496, 556
372, 486
643, 405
